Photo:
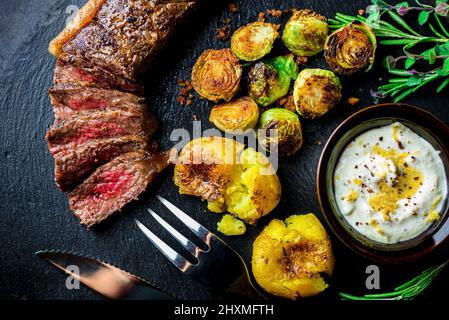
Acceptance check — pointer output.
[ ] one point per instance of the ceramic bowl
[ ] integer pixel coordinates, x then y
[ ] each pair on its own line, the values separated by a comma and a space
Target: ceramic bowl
421, 122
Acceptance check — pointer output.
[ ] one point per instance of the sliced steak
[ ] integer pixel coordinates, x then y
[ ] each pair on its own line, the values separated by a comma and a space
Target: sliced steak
73, 165
114, 185
93, 76
69, 100
89, 126
125, 35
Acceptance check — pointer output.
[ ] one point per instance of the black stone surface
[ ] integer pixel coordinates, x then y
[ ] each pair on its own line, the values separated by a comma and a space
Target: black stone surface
35, 215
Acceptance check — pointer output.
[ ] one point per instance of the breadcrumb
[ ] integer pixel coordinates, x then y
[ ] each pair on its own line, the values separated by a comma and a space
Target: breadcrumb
288, 103
353, 101
185, 93
223, 33
274, 13
233, 7
302, 60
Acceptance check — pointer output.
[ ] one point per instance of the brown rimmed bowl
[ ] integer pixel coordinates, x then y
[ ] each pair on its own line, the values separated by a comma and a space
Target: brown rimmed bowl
421, 122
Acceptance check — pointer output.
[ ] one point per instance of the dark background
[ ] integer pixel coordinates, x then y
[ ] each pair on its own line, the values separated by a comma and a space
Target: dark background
34, 215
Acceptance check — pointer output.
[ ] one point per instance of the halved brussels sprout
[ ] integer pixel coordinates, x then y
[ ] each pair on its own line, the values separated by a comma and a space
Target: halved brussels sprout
289, 132
289, 259
270, 79
253, 41
241, 182
216, 75
231, 226
305, 33
235, 116
351, 49
316, 91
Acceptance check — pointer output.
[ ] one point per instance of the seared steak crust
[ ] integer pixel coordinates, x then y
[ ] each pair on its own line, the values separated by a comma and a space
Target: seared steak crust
93, 76
114, 185
125, 35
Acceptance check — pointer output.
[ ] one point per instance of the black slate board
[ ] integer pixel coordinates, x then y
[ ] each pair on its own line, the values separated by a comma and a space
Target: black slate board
34, 214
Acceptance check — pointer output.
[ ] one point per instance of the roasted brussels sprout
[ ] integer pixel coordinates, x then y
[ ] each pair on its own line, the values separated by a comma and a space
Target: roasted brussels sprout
241, 182
231, 226
315, 92
351, 49
288, 136
253, 41
270, 79
289, 259
216, 75
305, 33
235, 116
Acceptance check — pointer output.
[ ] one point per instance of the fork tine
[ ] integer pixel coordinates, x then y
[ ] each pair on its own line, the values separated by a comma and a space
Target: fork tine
179, 261
196, 228
186, 243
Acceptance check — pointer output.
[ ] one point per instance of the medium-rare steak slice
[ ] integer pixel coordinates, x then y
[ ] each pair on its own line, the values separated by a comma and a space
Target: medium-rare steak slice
69, 100
114, 185
73, 165
122, 37
93, 76
93, 125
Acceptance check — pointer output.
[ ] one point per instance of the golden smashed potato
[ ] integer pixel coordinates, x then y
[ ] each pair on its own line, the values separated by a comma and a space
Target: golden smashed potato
231, 226
289, 258
231, 179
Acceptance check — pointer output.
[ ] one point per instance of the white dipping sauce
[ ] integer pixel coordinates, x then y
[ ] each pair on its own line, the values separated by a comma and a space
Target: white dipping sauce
390, 184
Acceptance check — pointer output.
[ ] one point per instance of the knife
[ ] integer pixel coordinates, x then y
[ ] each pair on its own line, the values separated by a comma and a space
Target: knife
107, 280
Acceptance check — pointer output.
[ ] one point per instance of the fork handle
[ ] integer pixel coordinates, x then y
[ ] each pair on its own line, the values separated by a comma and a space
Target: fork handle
243, 286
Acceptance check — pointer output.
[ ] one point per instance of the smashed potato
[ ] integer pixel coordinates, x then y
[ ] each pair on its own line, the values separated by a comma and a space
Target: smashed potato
231, 226
241, 182
289, 258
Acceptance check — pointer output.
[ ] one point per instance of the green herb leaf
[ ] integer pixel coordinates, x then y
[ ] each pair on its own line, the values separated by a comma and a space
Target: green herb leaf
444, 70
402, 4
373, 12
446, 65
442, 49
423, 17
443, 85
389, 62
429, 55
411, 289
414, 81
410, 61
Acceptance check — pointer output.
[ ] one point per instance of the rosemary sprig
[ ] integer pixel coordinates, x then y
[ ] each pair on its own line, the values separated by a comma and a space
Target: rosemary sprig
397, 32
407, 291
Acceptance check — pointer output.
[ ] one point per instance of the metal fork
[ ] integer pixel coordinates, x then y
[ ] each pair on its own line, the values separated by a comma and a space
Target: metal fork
219, 268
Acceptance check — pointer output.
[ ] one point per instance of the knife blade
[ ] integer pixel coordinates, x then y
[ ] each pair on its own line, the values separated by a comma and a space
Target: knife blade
106, 279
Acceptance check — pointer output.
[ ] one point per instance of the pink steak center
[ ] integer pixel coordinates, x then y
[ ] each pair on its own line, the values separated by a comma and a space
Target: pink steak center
83, 76
97, 130
111, 183
87, 103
